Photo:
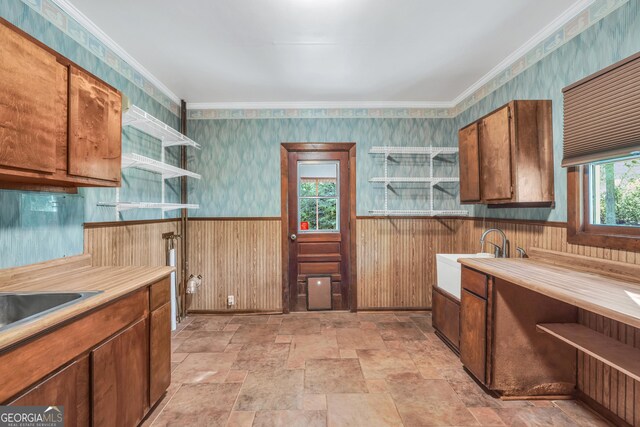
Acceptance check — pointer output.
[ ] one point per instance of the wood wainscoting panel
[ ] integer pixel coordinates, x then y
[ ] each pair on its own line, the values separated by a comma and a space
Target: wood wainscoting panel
239, 257
129, 244
396, 259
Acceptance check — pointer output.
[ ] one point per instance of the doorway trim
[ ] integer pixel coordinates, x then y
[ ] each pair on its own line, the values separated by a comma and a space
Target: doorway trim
285, 149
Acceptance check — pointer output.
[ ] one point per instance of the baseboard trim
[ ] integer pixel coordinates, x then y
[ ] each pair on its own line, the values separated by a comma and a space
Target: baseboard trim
365, 309
234, 312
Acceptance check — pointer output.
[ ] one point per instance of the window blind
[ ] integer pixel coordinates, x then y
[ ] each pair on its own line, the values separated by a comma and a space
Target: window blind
602, 114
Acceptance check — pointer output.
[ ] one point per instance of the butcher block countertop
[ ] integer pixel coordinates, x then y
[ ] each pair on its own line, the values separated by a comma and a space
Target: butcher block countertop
608, 288
72, 274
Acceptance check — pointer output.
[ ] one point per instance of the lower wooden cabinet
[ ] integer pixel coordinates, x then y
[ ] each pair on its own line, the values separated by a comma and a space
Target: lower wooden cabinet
473, 334
446, 317
120, 372
160, 352
114, 365
70, 388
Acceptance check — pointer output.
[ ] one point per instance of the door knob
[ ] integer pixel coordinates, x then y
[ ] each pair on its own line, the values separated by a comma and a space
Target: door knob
293, 237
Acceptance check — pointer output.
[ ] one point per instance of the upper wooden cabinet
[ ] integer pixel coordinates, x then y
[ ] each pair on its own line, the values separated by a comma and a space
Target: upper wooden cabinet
95, 126
506, 157
469, 156
60, 126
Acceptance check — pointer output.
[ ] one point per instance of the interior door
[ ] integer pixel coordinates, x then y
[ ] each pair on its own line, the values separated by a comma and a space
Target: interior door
495, 156
318, 193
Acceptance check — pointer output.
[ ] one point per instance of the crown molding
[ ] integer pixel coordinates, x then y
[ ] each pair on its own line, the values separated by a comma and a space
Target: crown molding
317, 105
90, 26
555, 25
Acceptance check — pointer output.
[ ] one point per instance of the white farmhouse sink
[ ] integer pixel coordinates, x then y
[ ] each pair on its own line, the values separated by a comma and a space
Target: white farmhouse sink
449, 271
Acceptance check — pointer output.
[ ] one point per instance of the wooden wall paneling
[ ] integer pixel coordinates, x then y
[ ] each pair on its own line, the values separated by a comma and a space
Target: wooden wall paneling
239, 257
129, 244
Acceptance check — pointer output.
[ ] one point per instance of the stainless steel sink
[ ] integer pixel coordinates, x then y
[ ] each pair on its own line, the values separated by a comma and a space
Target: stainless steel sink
21, 307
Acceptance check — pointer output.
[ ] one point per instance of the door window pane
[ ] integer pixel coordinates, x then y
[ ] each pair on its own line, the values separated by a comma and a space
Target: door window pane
615, 193
318, 196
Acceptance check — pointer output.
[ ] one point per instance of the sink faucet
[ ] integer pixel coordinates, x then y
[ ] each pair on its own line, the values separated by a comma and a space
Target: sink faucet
499, 252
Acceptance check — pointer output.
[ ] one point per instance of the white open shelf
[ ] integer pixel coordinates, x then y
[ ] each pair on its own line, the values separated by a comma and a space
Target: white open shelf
145, 122
416, 179
432, 180
132, 160
409, 212
432, 151
125, 206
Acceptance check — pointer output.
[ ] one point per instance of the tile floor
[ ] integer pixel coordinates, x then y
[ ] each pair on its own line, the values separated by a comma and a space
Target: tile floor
335, 369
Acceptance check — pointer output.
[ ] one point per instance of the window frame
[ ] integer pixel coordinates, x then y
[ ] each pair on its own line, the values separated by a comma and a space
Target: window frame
316, 198
580, 231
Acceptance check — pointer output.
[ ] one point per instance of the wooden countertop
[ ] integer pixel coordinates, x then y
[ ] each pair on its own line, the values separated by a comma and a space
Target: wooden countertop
73, 274
614, 297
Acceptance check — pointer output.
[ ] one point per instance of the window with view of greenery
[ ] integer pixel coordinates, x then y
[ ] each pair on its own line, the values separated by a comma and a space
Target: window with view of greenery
318, 204
615, 193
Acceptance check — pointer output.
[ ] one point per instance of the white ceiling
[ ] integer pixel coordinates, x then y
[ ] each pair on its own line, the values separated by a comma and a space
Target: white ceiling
333, 51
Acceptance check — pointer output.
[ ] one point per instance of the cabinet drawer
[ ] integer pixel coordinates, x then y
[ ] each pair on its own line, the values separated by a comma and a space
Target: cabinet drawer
160, 293
474, 282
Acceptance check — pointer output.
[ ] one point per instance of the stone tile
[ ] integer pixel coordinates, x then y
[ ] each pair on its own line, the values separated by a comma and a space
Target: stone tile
377, 386
231, 348
368, 325
283, 339
424, 324
175, 343
413, 389
231, 327
378, 364
178, 357
580, 413
208, 323
290, 419
393, 331
377, 317
205, 342
359, 339
250, 320
471, 394
433, 413
275, 319
314, 402
348, 354
430, 373
183, 334
236, 376
199, 405
251, 334
241, 419
309, 347
533, 416
334, 376
262, 357
271, 390
295, 326
486, 416
171, 391
362, 410
204, 368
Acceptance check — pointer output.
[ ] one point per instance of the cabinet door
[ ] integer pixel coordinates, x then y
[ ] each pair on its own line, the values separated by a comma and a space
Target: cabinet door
469, 164
120, 374
95, 126
160, 352
473, 334
32, 104
446, 317
495, 156
68, 388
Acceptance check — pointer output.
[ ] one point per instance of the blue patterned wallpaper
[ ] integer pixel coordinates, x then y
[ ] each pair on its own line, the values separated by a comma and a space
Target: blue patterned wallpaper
240, 157
240, 160
26, 217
